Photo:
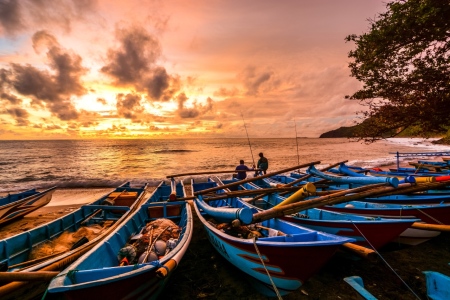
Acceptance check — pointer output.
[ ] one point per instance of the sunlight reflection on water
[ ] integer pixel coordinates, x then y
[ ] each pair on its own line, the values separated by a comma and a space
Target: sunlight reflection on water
91, 163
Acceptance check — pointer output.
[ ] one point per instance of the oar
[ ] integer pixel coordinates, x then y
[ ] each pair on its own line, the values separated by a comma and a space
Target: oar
353, 194
361, 251
301, 179
236, 183
33, 261
251, 192
203, 173
432, 227
419, 187
28, 276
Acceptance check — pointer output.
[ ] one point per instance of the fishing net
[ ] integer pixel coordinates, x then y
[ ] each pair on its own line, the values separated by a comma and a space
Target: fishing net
157, 239
65, 241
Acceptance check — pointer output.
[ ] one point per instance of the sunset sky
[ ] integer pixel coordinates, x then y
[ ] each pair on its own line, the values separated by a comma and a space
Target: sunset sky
74, 69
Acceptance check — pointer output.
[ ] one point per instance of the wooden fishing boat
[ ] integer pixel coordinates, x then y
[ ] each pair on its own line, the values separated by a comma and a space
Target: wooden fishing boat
417, 234
372, 232
430, 214
5, 199
431, 196
15, 206
281, 259
115, 269
18, 253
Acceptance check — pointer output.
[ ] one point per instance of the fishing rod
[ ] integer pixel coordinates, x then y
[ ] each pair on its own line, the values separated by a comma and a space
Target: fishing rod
251, 152
296, 141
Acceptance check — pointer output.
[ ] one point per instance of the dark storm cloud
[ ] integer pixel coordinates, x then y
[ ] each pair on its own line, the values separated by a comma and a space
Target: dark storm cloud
10, 16
12, 99
67, 65
132, 60
195, 111
19, 15
134, 63
52, 88
19, 114
129, 106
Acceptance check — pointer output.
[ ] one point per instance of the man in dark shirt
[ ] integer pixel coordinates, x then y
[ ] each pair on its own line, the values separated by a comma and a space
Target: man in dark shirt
263, 163
242, 168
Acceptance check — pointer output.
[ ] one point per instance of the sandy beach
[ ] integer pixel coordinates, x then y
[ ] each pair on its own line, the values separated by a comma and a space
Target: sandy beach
204, 274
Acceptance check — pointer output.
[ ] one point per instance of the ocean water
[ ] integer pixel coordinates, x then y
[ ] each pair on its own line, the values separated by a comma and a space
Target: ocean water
108, 163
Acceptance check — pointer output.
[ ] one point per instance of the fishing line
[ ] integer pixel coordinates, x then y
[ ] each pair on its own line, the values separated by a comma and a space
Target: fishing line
387, 264
248, 138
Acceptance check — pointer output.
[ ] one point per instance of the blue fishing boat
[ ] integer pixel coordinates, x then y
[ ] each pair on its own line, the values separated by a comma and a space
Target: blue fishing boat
372, 232
438, 285
434, 214
56, 244
18, 205
136, 260
357, 284
12, 197
354, 179
277, 254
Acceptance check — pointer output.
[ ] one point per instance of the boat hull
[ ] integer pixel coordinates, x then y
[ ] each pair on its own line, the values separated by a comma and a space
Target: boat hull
98, 274
279, 263
283, 267
432, 214
370, 234
367, 231
22, 207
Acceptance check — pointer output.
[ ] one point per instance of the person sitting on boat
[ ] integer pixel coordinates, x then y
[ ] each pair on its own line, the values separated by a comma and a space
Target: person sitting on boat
241, 170
263, 163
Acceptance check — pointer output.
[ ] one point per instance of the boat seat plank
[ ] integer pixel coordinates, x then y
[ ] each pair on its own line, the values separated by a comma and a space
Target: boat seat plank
301, 237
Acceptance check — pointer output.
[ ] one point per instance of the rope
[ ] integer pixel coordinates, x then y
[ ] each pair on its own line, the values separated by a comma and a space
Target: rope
378, 253
431, 217
267, 271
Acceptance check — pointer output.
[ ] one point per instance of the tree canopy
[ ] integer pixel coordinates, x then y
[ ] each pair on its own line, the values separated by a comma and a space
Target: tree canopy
404, 65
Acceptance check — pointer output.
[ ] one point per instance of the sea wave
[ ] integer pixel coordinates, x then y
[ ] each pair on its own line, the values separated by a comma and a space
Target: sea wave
173, 151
